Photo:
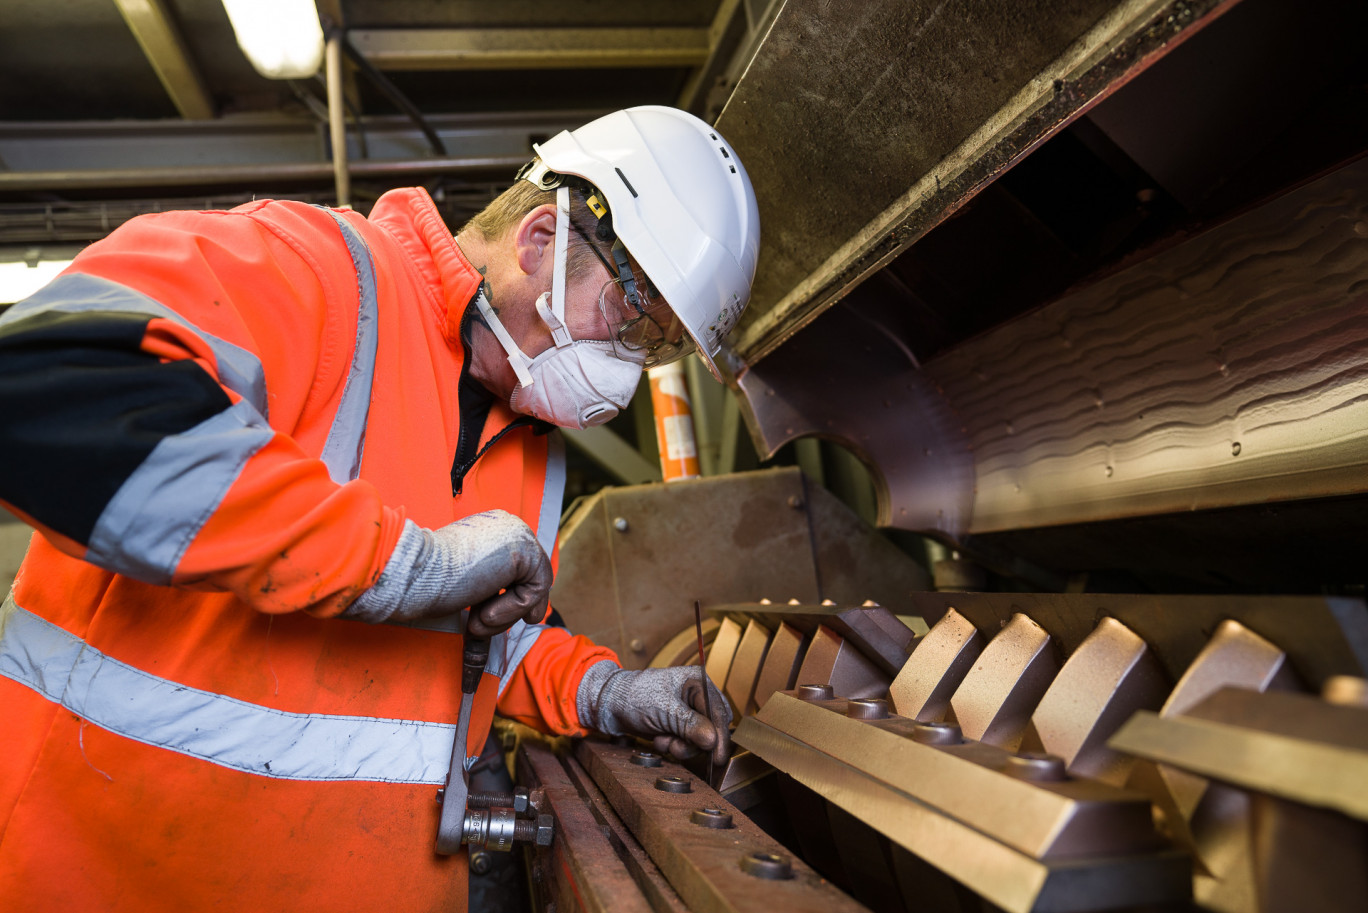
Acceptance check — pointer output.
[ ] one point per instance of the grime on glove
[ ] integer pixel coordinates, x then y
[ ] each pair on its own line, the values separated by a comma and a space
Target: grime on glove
490, 561
665, 705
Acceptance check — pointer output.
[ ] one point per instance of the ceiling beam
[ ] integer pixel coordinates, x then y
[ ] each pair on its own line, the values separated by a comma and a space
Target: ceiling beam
505, 49
156, 32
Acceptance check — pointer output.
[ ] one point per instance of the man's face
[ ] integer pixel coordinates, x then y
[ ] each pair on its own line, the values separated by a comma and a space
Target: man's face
597, 308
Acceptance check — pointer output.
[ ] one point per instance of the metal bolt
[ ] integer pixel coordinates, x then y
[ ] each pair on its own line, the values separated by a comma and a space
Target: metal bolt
481, 862
620, 524
673, 785
711, 817
538, 833
816, 693
520, 800
646, 759
770, 866
867, 708
1031, 765
637, 645
795, 502
937, 733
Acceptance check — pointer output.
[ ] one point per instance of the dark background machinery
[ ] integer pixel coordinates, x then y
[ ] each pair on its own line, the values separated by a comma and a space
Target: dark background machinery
1068, 299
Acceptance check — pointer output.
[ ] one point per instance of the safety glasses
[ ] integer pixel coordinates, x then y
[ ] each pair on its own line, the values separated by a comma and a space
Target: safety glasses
653, 330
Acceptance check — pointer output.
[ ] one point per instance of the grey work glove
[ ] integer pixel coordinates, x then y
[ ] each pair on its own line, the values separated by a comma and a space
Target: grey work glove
433, 573
663, 704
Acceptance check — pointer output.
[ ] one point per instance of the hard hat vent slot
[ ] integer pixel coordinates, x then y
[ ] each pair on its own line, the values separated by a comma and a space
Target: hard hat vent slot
627, 182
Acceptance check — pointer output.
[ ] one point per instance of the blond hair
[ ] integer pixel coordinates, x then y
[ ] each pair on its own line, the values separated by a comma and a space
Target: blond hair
504, 213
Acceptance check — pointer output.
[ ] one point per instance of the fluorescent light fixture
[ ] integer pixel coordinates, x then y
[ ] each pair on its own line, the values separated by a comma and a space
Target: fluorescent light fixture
18, 279
282, 38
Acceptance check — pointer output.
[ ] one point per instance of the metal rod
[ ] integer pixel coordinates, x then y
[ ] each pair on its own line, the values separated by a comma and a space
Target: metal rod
247, 175
703, 670
337, 120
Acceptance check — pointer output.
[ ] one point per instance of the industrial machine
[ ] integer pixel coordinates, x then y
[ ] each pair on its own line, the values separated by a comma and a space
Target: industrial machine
1081, 285
1085, 289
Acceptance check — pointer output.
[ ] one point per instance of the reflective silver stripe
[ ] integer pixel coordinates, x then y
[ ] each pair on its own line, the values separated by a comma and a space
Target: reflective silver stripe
553, 491
159, 509
347, 437
239, 370
213, 727
507, 651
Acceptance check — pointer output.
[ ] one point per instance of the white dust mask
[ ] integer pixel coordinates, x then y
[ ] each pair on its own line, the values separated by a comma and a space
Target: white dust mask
576, 383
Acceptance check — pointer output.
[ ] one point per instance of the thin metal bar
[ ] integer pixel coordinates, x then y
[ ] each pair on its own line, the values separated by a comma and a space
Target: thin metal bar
337, 120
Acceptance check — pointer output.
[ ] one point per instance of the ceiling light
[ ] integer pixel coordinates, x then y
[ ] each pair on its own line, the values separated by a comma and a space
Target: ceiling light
282, 38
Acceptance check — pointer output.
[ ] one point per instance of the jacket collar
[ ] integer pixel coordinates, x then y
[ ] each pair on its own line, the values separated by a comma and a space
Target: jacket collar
411, 218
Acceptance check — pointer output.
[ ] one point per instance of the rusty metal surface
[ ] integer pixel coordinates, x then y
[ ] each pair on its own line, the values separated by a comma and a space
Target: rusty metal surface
780, 671
831, 660
1322, 636
941, 660
879, 634
1108, 678
995, 700
704, 864
725, 539
582, 869
1070, 844
745, 667
914, 78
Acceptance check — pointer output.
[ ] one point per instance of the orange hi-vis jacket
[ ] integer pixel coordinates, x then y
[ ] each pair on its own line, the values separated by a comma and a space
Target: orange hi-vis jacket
218, 422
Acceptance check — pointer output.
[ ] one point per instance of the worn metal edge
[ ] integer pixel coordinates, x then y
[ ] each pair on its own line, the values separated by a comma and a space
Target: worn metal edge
1324, 775
946, 778
967, 855
591, 848
1115, 50
699, 888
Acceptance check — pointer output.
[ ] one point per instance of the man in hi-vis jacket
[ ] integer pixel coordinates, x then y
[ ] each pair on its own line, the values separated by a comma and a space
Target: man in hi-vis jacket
273, 454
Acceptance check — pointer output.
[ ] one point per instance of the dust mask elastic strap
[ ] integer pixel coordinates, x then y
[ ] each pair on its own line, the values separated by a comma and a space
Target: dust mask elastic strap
553, 316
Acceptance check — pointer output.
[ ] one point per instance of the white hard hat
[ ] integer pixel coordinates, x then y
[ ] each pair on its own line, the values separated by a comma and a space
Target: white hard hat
680, 202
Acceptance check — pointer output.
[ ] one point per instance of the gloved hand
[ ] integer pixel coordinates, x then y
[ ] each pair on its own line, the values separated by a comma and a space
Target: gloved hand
665, 704
432, 573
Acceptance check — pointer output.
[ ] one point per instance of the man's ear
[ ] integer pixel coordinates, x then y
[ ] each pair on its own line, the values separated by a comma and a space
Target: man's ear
534, 240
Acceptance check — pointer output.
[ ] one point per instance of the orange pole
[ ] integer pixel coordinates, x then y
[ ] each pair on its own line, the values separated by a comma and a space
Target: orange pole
674, 422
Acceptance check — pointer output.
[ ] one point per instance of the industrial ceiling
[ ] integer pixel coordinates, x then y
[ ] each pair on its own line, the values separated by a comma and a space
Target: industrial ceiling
109, 107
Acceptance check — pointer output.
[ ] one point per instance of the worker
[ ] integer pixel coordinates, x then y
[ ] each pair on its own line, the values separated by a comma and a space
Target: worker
272, 454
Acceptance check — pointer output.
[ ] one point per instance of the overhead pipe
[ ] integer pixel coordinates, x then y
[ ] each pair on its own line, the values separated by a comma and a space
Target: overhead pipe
337, 119
250, 175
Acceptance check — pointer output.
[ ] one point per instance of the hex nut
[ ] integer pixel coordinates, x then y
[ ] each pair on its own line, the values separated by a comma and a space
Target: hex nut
646, 759
711, 817
673, 785
770, 866
522, 799
546, 829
